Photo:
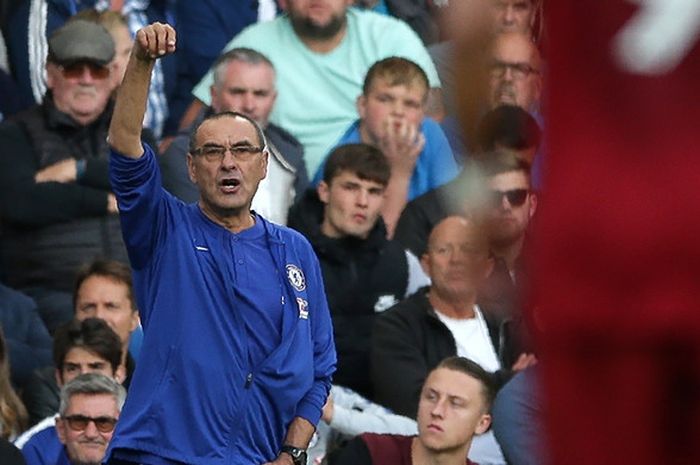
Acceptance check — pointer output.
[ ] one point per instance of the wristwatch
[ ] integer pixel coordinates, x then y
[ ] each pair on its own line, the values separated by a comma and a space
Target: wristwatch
298, 455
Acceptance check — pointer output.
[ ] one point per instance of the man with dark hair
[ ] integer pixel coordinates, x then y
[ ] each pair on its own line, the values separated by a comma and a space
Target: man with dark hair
244, 82
509, 128
454, 406
103, 289
83, 347
240, 346
364, 273
90, 407
56, 204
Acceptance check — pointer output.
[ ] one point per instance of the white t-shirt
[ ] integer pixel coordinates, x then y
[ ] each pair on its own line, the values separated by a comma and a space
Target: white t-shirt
472, 339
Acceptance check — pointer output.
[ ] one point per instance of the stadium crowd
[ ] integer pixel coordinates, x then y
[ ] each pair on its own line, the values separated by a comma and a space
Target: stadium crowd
379, 211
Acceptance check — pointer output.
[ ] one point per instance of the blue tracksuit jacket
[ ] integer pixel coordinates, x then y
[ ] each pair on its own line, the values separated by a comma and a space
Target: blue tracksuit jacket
194, 398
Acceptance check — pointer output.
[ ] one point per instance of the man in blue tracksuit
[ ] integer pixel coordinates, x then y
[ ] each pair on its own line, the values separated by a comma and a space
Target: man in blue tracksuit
238, 349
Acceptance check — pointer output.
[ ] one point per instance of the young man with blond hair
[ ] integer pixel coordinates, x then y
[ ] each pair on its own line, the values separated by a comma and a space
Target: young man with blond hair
392, 118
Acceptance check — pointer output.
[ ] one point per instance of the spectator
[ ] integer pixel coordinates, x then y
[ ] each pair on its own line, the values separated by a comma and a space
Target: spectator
90, 406
103, 289
443, 320
392, 110
79, 347
28, 342
118, 27
364, 273
454, 407
55, 200
327, 51
506, 128
13, 415
244, 81
515, 72
34, 21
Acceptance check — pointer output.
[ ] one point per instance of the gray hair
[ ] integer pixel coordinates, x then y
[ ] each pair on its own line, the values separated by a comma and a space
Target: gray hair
242, 54
91, 384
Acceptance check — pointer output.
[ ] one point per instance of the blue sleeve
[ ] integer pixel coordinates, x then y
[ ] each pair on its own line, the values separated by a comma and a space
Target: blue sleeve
442, 165
142, 203
311, 405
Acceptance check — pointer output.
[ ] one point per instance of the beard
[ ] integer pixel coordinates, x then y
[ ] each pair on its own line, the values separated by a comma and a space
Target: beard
307, 28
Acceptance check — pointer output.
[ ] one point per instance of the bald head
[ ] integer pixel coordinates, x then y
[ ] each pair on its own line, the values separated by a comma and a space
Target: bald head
457, 258
515, 73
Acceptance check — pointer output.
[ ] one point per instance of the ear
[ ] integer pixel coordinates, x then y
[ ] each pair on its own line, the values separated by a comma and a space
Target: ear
264, 161
425, 264
274, 98
214, 95
120, 374
323, 191
483, 425
533, 205
191, 169
134, 321
361, 104
489, 267
51, 69
61, 430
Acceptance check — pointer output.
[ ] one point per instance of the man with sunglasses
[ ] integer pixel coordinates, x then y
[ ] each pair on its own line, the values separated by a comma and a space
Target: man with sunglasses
90, 407
56, 203
238, 344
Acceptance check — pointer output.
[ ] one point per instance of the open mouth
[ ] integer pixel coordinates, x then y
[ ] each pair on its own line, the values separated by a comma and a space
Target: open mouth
229, 186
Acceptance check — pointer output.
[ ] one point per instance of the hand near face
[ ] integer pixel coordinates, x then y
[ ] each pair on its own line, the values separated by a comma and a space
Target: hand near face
154, 41
63, 171
401, 143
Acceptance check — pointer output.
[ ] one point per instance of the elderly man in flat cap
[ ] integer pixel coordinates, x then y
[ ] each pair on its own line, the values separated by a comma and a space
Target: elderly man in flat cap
55, 201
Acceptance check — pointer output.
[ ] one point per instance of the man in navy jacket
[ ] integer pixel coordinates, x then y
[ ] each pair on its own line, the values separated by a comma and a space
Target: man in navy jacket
238, 348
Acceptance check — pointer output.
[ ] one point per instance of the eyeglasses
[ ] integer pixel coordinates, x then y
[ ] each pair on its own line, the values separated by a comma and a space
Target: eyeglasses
216, 153
76, 70
515, 197
518, 70
80, 423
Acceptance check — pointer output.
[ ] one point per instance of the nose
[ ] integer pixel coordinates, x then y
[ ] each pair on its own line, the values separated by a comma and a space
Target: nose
85, 75
248, 102
91, 430
362, 198
229, 161
438, 410
509, 15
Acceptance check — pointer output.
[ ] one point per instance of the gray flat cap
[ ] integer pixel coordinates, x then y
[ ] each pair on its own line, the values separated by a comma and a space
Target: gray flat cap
80, 40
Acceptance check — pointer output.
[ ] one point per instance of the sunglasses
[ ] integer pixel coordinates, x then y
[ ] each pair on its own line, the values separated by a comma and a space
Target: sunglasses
515, 197
76, 70
81, 422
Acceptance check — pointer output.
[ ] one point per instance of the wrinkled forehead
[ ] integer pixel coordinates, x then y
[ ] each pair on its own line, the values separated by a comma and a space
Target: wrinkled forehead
227, 130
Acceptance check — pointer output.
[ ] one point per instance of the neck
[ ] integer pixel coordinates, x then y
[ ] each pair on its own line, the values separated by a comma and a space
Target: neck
324, 45
235, 222
509, 252
453, 306
420, 455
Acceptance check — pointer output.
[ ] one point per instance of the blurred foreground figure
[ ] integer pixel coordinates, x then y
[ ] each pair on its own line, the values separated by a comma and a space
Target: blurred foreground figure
617, 283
